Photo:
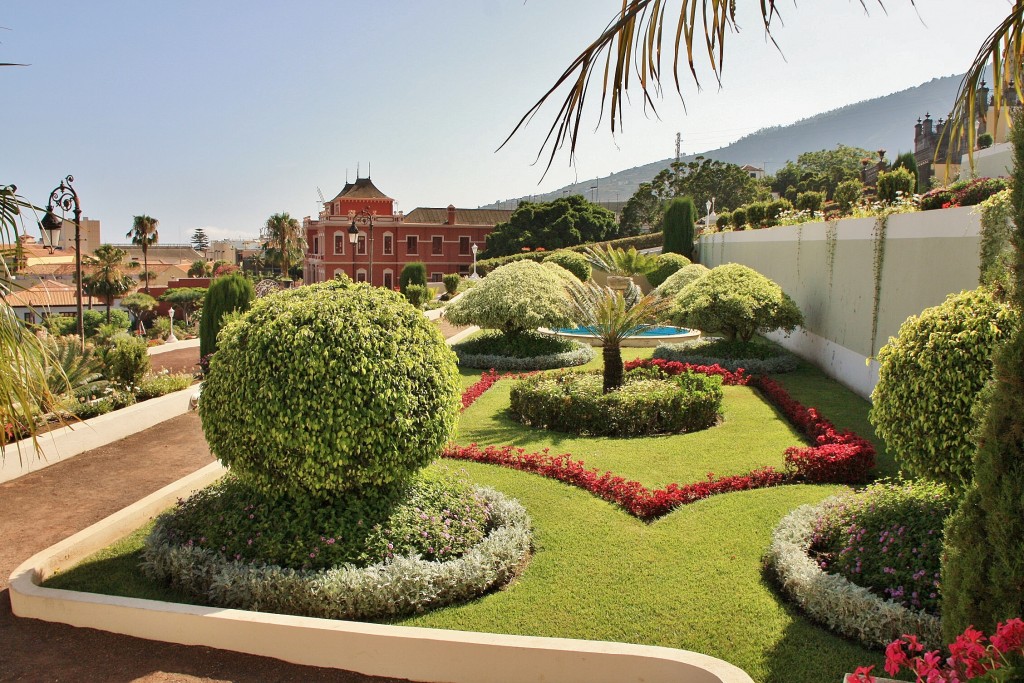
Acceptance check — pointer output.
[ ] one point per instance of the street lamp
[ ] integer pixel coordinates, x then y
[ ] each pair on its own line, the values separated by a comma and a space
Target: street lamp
711, 210
65, 197
365, 216
474, 249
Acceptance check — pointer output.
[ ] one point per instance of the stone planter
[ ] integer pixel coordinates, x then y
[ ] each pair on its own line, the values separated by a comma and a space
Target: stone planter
619, 283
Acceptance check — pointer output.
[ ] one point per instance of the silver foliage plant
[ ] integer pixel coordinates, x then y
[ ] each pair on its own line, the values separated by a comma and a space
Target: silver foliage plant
581, 355
845, 607
404, 585
784, 362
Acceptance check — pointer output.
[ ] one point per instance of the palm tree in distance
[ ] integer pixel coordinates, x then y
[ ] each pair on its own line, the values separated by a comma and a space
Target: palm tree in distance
631, 46
144, 234
282, 234
108, 278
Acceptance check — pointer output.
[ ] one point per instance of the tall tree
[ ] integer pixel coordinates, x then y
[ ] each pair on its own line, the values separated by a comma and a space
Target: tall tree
679, 227
283, 241
200, 242
564, 222
144, 234
820, 171
107, 277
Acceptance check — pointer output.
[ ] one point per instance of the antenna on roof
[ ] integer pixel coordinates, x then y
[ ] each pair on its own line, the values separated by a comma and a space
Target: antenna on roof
357, 171
321, 195
369, 169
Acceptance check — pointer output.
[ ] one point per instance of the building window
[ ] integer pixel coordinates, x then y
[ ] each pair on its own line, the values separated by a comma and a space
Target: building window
437, 246
463, 270
30, 317
437, 277
339, 242
389, 244
361, 245
316, 245
411, 246
360, 275
389, 279
463, 246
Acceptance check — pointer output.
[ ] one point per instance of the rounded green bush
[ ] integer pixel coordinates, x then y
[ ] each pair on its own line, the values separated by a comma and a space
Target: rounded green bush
573, 261
675, 282
127, 360
736, 301
573, 402
330, 388
514, 298
930, 376
666, 265
226, 294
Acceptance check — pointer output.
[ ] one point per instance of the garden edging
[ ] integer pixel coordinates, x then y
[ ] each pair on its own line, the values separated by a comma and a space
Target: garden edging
21, 458
418, 654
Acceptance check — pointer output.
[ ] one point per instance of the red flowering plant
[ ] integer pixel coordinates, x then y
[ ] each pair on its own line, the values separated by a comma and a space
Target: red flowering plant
659, 367
970, 658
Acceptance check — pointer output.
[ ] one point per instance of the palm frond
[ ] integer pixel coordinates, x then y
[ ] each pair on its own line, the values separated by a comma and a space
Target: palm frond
608, 315
618, 261
631, 44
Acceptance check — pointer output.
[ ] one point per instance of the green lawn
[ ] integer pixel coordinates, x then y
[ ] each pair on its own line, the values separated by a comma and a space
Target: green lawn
692, 579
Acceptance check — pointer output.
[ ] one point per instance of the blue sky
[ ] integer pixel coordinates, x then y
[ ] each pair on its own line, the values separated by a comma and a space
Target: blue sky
216, 114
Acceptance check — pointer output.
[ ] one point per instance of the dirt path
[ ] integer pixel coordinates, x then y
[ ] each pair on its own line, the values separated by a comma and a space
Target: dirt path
47, 506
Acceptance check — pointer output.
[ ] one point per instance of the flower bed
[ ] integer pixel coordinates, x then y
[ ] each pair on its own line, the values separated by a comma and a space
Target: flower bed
530, 351
402, 585
776, 362
838, 457
670, 368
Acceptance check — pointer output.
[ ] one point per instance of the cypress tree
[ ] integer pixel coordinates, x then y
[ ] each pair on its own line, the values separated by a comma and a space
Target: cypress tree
226, 294
414, 273
908, 161
983, 562
680, 217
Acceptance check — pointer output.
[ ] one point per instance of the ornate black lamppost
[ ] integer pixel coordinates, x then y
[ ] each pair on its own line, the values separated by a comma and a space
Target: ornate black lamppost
365, 217
65, 197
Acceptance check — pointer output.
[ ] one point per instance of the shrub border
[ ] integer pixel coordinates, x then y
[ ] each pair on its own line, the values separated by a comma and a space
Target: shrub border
775, 365
831, 599
404, 585
581, 355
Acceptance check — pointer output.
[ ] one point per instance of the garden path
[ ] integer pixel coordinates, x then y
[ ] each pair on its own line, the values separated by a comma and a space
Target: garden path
46, 506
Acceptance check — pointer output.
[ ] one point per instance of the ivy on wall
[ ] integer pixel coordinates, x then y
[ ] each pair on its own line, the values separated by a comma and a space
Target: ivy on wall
799, 246
878, 239
831, 239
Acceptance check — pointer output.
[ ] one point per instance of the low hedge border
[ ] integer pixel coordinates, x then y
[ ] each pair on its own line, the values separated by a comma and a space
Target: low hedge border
848, 609
776, 365
581, 355
404, 585
573, 402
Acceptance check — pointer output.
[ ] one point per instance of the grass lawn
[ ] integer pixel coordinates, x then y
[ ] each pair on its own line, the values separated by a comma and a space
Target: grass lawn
692, 579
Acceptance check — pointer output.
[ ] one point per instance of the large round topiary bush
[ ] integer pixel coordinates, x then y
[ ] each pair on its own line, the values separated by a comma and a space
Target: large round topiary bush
573, 261
930, 376
667, 265
675, 282
328, 389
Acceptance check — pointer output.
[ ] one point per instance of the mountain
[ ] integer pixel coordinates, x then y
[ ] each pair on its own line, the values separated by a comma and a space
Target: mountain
881, 123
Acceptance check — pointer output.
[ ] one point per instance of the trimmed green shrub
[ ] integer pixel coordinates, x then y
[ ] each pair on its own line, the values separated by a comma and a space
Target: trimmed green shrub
896, 184
985, 140
739, 217
774, 209
515, 298
573, 261
416, 295
736, 301
573, 402
155, 386
678, 222
887, 538
908, 161
666, 266
723, 219
451, 283
414, 273
848, 194
756, 213
329, 389
85, 409
521, 352
675, 282
809, 201
982, 572
758, 356
225, 294
930, 376
127, 360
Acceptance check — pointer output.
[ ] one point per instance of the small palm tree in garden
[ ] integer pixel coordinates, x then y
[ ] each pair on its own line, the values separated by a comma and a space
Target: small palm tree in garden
616, 261
144, 234
283, 239
108, 278
607, 315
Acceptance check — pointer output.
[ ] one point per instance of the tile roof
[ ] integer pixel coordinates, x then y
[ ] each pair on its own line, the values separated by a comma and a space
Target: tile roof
462, 216
362, 188
48, 293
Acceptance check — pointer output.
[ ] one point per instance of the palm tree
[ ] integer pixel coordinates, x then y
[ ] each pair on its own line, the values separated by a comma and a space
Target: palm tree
616, 261
631, 46
143, 233
283, 235
607, 315
108, 278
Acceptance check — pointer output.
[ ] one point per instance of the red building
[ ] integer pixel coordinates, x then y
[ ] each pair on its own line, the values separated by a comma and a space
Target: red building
443, 239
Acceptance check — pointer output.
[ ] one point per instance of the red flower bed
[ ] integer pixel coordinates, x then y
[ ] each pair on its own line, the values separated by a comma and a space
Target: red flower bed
837, 457
632, 496
674, 367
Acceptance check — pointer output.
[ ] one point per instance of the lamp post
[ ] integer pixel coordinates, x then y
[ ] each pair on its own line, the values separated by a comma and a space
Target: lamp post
353, 237
707, 219
474, 249
366, 217
65, 197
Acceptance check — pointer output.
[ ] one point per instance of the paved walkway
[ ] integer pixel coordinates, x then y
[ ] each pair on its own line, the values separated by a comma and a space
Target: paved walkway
47, 506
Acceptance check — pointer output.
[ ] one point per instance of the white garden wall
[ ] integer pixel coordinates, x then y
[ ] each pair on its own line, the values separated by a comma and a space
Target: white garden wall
926, 256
